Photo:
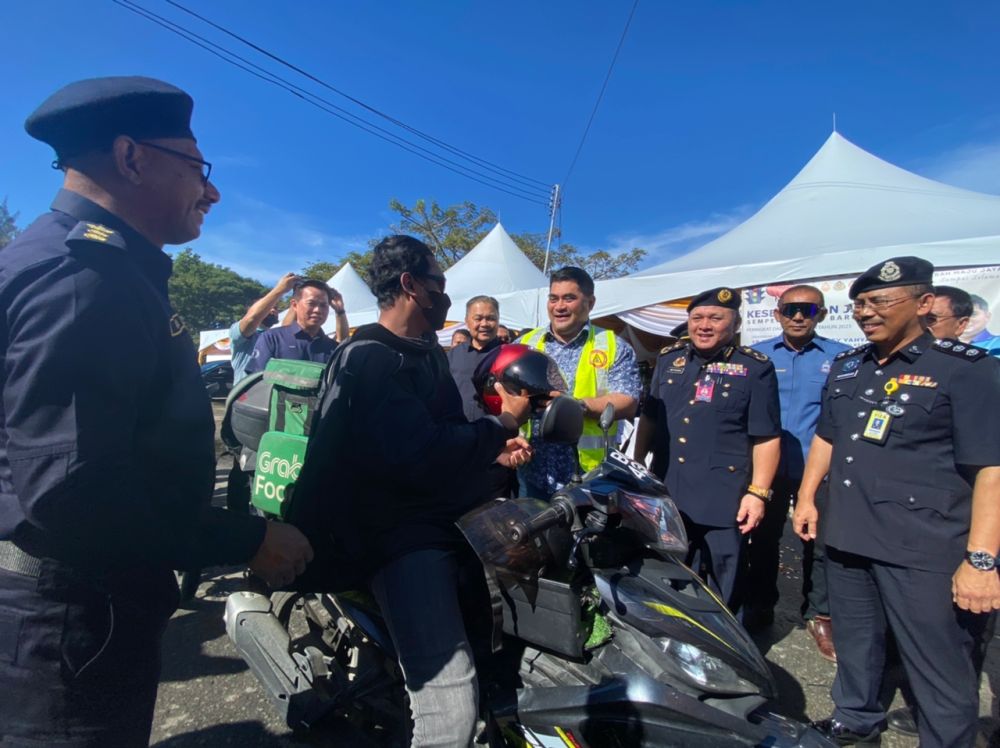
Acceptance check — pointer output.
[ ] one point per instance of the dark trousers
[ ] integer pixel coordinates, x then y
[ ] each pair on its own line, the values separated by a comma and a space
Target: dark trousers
238, 488
937, 643
714, 553
760, 580
80, 658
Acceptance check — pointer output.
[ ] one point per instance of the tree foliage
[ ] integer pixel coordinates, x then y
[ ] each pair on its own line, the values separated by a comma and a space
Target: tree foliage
209, 296
8, 225
451, 232
321, 270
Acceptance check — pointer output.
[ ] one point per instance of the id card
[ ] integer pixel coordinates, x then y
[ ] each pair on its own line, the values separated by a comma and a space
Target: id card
877, 428
703, 390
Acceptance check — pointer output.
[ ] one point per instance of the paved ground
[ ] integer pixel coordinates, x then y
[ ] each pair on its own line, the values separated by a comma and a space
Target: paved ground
208, 697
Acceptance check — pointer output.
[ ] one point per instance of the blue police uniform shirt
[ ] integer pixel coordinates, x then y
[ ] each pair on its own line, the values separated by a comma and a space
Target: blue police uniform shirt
242, 350
906, 498
107, 455
801, 376
289, 342
553, 465
702, 447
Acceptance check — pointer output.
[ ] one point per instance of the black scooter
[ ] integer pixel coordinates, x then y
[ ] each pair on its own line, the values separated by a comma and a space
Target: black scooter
607, 638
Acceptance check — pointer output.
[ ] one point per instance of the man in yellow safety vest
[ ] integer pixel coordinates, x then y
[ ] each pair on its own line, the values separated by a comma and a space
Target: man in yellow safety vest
599, 368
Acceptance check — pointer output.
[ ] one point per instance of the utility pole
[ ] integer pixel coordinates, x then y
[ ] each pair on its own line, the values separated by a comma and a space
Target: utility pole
553, 207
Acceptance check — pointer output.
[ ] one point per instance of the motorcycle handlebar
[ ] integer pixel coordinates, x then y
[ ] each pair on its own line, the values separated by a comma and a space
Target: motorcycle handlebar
561, 512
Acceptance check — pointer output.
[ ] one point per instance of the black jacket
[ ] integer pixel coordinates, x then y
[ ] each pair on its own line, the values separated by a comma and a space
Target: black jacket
392, 461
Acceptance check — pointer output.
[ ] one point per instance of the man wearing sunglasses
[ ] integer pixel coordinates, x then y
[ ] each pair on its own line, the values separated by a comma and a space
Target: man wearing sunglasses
910, 441
802, 359
106, 433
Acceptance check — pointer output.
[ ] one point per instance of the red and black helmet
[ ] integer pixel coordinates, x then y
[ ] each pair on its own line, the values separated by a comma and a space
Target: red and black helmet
518, 368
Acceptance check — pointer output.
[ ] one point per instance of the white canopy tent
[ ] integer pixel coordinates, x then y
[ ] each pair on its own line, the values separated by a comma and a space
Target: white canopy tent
357, 296
845, 210
495, 267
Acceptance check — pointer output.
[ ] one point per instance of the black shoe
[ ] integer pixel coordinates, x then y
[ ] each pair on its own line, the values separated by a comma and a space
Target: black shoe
901, 721
841, 734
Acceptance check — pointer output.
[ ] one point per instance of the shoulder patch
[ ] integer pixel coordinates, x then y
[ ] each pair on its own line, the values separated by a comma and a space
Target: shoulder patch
88, 233
754, 353
851, 352
964, 351
675, 346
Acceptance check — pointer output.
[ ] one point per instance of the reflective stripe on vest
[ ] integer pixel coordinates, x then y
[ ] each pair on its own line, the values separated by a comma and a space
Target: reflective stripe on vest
591, 380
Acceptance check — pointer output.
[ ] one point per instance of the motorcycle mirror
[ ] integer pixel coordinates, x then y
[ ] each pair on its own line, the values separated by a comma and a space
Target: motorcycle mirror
562, 421
607, 417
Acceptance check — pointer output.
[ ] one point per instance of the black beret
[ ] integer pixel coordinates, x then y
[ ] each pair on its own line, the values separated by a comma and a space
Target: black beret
897, 271
727, 297
681, 331
89, 114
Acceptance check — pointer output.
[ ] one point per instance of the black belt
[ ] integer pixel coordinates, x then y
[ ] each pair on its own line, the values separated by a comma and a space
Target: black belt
14, 559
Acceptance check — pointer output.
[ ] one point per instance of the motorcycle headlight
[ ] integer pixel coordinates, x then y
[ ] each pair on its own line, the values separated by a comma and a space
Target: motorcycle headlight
704, 670
656, 519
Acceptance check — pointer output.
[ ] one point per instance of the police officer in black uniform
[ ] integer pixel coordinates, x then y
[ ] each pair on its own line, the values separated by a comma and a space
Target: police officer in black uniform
713, 422
911, 441
106, 432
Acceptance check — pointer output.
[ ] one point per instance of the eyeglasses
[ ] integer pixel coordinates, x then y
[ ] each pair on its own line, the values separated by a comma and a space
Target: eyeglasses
879, 303
933, 319
206, 167
439, 278
809, 311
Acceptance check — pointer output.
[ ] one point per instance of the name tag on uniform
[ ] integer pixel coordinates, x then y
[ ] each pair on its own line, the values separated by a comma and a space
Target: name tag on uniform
703, 390
877, 428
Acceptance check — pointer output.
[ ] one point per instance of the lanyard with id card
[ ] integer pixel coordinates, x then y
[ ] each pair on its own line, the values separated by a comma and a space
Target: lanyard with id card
877, 428
703, 390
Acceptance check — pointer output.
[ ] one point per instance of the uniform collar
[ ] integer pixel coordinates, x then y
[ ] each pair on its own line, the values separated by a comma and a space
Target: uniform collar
817, 341
297, 332
723, 354
485, 349
584, 331
83, 209
913, 350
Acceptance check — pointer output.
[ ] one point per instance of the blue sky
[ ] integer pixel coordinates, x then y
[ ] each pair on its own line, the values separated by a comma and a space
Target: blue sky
712, 108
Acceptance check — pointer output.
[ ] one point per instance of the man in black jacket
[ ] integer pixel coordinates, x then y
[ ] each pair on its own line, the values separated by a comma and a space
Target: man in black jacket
400, 464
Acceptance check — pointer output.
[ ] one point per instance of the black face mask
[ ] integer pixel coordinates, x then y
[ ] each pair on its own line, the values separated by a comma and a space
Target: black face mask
437, 313
269, 321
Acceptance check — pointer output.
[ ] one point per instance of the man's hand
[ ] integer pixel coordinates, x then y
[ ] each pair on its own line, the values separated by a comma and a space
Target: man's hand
282, 556
517, 452
750, 514
285, 283
336, 301
974, 590
517, 406
805, 518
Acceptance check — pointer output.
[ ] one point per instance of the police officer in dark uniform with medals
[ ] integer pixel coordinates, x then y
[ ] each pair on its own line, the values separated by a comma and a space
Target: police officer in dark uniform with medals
106, 433
909, 435
713, 422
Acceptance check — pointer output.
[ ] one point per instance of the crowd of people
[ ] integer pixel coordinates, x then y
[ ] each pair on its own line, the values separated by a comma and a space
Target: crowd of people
884, 454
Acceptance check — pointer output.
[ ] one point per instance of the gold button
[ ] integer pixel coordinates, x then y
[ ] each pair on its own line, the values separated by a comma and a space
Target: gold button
690, 402
670, 381
732, 468
680, 459
687, 420
683, 440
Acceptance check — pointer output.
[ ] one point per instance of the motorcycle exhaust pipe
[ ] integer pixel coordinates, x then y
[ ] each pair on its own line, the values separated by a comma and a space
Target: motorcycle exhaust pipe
263, 643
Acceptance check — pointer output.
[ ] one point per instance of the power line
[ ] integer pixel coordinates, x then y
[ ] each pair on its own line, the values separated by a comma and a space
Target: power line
600, 96
355, 100
515, 190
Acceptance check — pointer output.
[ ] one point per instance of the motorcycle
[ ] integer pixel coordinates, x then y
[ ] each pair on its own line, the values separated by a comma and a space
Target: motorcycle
608, 639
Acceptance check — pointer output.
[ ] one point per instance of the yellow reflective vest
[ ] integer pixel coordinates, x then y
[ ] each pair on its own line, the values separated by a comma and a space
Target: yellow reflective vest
591, 380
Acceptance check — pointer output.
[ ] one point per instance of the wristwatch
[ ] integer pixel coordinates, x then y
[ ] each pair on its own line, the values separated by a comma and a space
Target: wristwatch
760, 493
981, 560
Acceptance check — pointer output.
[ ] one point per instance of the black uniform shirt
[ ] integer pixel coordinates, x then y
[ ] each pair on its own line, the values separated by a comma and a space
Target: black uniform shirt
703, 447
106, 431
462, 362
907, 500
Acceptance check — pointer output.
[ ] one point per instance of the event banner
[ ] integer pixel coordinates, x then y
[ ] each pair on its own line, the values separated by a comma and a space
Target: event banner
759, 303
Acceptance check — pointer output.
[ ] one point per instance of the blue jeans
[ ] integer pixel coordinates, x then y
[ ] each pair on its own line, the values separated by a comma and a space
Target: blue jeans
419, 597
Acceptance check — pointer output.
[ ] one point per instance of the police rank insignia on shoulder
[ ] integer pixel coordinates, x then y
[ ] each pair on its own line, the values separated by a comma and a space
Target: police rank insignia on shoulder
753, 353
852, 352
675, 346
960, 350
86, 232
